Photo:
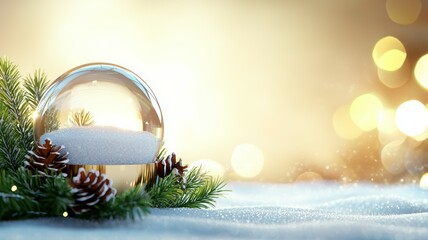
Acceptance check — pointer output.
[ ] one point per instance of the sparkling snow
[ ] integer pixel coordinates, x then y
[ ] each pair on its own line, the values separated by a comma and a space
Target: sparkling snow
262, 211
105, 145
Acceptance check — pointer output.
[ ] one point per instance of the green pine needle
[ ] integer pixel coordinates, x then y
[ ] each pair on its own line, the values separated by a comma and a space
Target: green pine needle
199, 191
35, 86
132, 204
13, 100
52, 193
205, 195
11, 156
13, 204
24, 195
165, 192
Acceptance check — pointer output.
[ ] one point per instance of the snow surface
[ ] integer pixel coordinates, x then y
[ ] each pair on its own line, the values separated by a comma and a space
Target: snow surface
105, 145
262, 211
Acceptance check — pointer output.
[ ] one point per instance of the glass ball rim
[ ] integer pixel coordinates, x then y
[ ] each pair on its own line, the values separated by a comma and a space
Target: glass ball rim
137, 80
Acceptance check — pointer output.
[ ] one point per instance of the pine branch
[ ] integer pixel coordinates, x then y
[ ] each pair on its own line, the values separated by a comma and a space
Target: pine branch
205, 195
132, 204
199, 191
54, 195
165, 192
35, 86
13, 204
13, 98
162, 152
33, 196
11, 157
195, 178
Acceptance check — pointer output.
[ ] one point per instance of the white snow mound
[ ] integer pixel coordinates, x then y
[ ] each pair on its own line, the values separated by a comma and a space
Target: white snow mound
105, 145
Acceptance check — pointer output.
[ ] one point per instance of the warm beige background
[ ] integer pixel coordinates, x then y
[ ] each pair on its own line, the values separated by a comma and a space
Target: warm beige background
269, 73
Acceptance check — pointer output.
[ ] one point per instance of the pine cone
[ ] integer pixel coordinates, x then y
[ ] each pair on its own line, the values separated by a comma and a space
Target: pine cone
168, 165
90, 189
47, 157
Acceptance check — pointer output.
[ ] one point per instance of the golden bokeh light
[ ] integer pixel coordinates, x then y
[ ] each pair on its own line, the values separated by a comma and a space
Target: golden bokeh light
423, 183
392, 157
14, 188
365, 111
386, 122
421, 71
343, 124
247, 160
387, 129
212, 168
65, 214
271, 83
403, 11
395, 79
412, 118
389, 54
422, 137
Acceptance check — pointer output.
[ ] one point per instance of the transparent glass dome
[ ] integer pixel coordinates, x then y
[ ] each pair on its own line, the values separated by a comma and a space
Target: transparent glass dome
103, 114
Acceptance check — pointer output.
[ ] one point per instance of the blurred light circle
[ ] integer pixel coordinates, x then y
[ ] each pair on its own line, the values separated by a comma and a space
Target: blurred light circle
412, 118
386, 122
343, 124
247, 160
397, 78
421, 71
387, 129
422, 137
423, 183
389, 54
403, 11
392, 157
212, 168
365, 111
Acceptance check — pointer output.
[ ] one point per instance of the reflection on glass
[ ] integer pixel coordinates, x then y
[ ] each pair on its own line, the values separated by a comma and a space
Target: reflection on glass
81, 118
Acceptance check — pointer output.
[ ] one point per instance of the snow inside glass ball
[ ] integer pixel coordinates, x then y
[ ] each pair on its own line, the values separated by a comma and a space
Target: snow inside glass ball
107, 118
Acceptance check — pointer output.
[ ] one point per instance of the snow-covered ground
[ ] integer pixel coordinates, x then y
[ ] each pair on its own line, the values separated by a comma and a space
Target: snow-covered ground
262, 211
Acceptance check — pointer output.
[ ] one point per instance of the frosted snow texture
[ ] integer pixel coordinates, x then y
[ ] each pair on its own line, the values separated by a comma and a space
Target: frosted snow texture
262, 211
105, 145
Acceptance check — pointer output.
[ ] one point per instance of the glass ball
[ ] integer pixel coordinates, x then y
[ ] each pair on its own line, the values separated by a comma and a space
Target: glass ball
107, 118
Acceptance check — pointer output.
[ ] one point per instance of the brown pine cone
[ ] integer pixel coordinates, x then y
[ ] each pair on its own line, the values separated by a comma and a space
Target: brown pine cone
90, 189
47, 157
168, 165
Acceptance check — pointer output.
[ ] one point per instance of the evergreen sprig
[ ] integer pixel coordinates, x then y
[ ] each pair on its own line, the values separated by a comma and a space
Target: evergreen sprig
13, 98
52, 192
13, 204
132, 204
205, 194
11, 156
165, 192
17, 103
35, 86
199, 191
25, 195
